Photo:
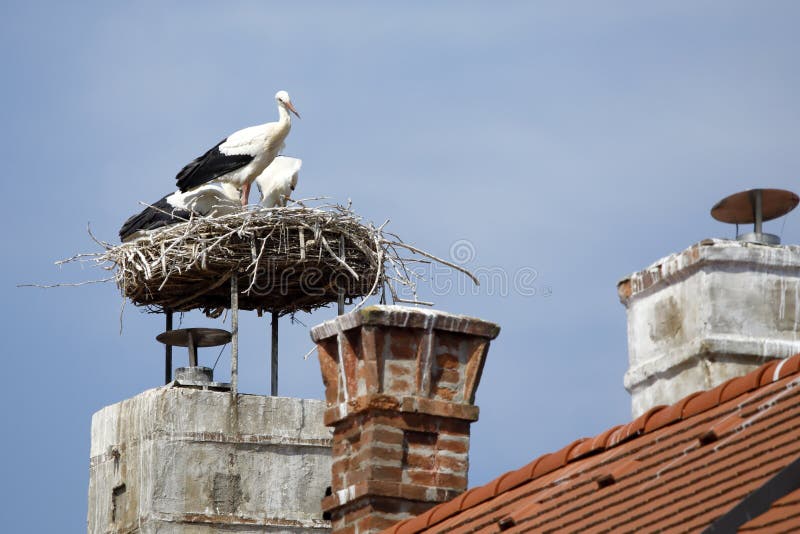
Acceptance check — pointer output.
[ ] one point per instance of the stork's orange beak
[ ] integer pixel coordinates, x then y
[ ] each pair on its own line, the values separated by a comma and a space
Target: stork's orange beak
290, 107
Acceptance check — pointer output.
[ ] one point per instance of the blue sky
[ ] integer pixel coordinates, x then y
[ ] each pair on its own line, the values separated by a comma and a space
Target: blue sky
577, 141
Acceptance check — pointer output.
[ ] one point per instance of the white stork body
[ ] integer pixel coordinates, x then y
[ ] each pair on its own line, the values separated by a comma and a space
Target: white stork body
278, 181
209, 200
241, 156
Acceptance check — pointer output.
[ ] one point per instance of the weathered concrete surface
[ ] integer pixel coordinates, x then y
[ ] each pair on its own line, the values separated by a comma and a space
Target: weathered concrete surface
714, 311
190, 461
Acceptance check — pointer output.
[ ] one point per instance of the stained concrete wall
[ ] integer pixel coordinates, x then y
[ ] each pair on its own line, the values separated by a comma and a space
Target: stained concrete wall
179, 460
714, 311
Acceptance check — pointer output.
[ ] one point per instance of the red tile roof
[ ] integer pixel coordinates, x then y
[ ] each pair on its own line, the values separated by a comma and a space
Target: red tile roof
675, 468
784, 516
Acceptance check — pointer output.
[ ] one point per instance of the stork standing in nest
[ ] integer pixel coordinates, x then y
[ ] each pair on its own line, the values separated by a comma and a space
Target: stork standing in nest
242, 156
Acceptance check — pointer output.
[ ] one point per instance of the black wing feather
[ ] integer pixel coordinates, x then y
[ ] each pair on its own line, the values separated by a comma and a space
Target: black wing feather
161, 213
209, 166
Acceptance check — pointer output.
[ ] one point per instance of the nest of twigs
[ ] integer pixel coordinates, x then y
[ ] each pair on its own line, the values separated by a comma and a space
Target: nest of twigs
290, 259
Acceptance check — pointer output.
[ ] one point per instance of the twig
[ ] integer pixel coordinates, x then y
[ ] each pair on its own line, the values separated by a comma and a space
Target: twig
436, 258
76, 284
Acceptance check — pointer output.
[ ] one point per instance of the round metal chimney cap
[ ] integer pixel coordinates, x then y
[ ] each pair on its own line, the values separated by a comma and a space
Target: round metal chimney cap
199, 337
740, 208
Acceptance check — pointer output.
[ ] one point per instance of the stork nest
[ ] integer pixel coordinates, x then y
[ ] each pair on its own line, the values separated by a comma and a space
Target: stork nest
289, 259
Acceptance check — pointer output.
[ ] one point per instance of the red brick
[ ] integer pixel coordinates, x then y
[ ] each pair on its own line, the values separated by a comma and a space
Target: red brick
420, 461
450, 376
375, 452
374, 523
339, 447
397, 369
351, 433
447, 361
448, 480
445, 393
420, 439
455, 464
458, 445
383, 434
384, 472
367, 374
403, 344
342, 526
340, 465
358, 511
398, 386
420, 450
327, 353
421, 477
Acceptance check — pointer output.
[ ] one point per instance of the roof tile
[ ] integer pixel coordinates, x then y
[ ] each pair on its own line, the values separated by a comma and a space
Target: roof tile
475, 496
739, 386
789, 366
686, 400
450, 508
662, 418
550, 462
600, 442
583, 449
668, 468
782, 517
703, 402
579, 449
512, 479
766, 375
411, 526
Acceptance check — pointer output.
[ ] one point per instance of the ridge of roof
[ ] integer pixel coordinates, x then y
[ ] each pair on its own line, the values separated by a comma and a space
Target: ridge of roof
655, 418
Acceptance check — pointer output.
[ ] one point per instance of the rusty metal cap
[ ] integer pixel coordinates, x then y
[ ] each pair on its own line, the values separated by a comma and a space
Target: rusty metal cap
202, 337
739, 208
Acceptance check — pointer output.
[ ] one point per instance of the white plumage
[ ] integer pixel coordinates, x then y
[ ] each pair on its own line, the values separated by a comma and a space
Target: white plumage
243, 155
211, 200
278, 181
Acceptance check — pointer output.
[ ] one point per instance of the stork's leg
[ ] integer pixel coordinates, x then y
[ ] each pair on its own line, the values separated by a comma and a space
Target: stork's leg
245, 194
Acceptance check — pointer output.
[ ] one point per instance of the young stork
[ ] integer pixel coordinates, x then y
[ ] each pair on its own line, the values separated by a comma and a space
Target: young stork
241, 156
211, 200
278, 181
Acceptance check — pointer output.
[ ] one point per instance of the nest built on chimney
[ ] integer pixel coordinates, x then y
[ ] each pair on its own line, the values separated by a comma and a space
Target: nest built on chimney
288, 259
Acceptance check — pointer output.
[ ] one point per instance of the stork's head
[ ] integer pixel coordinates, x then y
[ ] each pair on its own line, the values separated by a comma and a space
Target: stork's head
283, 100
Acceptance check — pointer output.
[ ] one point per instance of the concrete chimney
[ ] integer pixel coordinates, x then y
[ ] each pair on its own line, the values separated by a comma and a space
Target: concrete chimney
714, 311
400, 385
187, 459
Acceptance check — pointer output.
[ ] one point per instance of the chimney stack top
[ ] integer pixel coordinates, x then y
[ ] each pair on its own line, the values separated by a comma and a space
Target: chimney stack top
405, 317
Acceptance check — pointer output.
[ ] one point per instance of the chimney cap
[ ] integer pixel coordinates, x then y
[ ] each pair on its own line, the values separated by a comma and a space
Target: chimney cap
199, 337
403, 316
740, 208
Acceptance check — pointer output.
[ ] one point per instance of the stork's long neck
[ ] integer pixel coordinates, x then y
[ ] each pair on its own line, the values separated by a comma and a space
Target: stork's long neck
284, 118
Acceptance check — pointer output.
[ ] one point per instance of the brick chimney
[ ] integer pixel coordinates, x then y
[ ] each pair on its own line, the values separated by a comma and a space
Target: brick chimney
400, 385
714, 311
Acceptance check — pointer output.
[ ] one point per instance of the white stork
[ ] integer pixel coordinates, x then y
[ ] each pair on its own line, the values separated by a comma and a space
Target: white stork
241, 156
211, 200
278, 181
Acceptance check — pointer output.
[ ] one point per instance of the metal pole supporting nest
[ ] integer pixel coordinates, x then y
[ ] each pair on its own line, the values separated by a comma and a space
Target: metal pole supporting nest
168, 350
341, 288
274, 368
235, 333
